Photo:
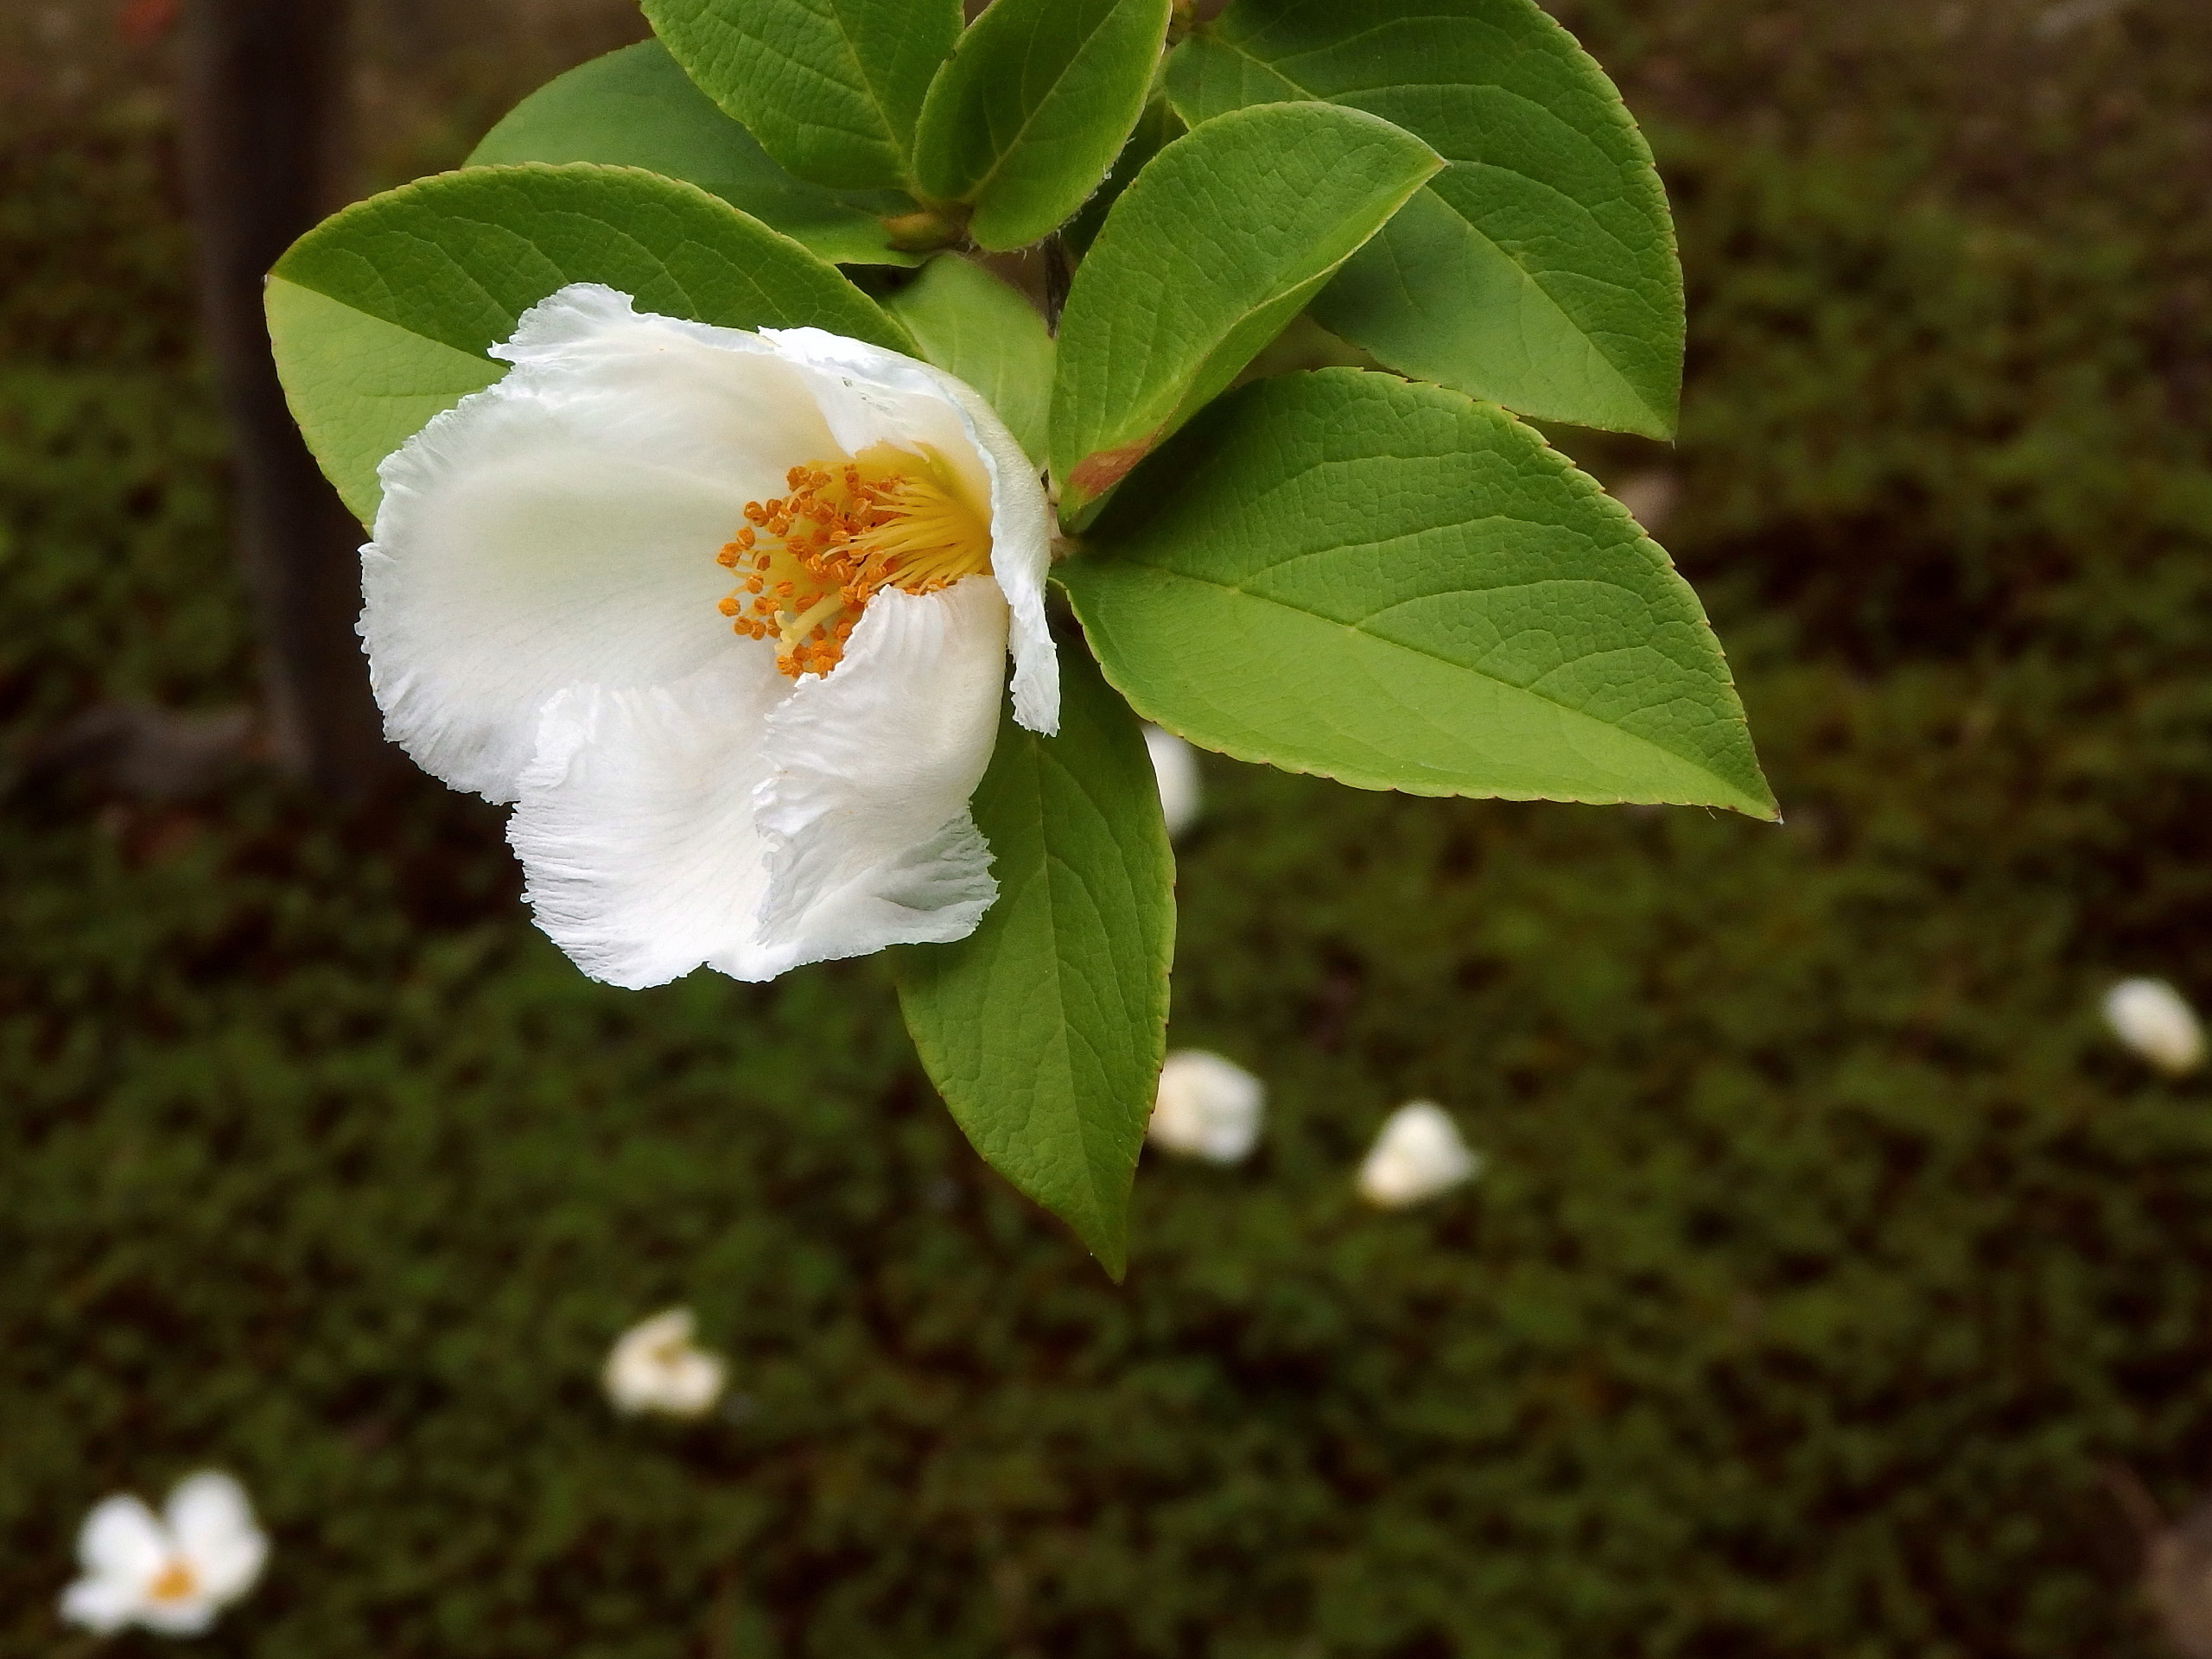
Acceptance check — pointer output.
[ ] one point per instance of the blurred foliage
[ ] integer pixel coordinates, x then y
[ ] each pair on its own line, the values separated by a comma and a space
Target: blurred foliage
1827, 1246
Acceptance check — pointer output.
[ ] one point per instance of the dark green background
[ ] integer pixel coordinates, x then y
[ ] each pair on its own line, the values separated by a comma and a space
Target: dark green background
1828, 1244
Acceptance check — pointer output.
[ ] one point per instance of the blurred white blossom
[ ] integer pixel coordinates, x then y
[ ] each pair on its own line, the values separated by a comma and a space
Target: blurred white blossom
1208, 1107
2149, 1016
1418, 1154
654, 1367
1175, 764
171, 1574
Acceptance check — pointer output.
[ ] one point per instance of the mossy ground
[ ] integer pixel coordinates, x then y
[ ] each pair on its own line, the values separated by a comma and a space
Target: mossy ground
1827, 1247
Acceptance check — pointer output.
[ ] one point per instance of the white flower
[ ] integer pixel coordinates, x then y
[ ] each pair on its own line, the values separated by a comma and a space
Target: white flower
171, 1574
2149, 1016
1208, 1107
1418, 1154
749, 777
1175, 764
654, 1367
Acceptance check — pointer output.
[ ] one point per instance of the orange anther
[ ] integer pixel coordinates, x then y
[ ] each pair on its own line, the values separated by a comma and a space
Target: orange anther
814, 556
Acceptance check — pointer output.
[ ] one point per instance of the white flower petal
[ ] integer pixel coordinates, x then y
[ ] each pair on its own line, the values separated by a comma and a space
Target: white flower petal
183, 1616
102, 1605
2151, 1018
122, 1540
890, 398
1207, 1107
542, 624
653, 1366
1418, 1155
560, 527
1175, 766
671, 1325
866, 809
636, 822
213, 1526
692, 1382
632, 1375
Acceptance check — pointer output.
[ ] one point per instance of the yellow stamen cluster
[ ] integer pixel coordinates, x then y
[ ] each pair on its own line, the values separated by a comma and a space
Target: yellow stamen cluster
177, 1580
812, 560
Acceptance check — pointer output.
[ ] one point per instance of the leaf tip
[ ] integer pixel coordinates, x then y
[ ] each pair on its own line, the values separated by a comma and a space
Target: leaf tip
1760, 804
1100, 1223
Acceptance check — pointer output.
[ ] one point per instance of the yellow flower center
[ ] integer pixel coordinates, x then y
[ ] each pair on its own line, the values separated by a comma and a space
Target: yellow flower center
176, 1582
812, 560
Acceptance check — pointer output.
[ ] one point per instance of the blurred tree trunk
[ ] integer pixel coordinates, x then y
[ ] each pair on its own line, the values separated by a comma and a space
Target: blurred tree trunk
264, 96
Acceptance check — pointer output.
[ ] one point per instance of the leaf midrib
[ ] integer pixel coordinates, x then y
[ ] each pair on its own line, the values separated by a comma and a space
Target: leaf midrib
865, 87
868, 85
1060, 1046
1533, 283
1159, 413
1002, 151
1702, 764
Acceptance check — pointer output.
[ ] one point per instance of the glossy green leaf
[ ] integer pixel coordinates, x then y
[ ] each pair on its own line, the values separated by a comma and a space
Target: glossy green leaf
359, 386
1156, 129
1045, 1029
378, 313
1026, 119
636, 107
976, 328
1538, 269
1391, 584
831, 88
1217, 245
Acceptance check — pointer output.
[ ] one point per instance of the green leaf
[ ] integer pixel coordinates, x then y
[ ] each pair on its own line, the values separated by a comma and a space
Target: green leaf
1538, 269
359, 386
977, 329
1393, 585
831, 88
381, 315
1157, 128
1033, 107
1217, 245
636, 107
1043, 1030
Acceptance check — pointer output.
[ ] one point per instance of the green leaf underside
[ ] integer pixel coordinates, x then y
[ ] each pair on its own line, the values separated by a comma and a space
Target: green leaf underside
360, 387
454, 261
1036, 103
1045, 1029
636, 107
977, 329
1538, 269
831, 88
1217, 244
1396, 585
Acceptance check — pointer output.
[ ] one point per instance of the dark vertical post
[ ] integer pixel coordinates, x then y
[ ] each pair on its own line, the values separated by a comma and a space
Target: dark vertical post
264, 95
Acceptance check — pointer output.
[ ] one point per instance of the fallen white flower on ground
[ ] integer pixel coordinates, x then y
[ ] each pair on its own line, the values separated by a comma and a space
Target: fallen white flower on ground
726, 615
170, 1573
1207, 1108
654, 1367
1418, 1155
1175, 764
2151, 1018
